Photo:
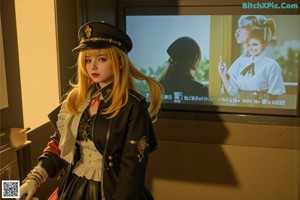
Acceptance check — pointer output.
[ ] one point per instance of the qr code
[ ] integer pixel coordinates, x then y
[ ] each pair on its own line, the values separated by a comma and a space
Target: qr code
10, 189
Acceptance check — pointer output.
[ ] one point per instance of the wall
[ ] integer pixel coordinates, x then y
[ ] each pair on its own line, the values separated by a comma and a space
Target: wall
12, 116
215, 160
36, 35
40, 39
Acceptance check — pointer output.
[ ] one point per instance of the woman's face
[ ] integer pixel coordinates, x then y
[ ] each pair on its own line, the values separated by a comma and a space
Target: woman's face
99, 68
255, 47
196, 63
241, 34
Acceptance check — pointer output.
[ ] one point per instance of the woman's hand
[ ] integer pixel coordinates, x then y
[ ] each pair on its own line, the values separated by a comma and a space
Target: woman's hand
28, 188
33, 180
222, 68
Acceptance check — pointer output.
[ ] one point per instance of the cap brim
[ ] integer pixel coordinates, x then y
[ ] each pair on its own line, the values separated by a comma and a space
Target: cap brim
91, 45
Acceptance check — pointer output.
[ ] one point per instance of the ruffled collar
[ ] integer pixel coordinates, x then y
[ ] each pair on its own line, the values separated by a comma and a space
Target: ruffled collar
68, 124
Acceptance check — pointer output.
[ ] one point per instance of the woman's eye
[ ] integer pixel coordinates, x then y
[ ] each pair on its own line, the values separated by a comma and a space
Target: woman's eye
102, 59
87, 60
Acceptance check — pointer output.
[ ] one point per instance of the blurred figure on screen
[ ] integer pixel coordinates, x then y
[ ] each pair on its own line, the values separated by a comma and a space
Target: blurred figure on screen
256, 76
246, 24
185, 55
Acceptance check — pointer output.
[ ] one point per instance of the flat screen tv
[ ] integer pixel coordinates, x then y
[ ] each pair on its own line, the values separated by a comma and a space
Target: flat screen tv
273, 92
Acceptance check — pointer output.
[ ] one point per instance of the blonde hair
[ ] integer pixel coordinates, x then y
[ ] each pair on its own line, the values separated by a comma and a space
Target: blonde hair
124, 72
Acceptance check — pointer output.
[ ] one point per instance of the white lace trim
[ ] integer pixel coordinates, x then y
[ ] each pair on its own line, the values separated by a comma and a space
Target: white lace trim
90, 163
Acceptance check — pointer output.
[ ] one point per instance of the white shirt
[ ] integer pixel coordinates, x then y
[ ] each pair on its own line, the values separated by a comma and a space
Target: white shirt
267, 76
90, 163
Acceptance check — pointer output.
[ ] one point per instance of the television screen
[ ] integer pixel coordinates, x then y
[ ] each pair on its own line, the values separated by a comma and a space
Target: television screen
218, 62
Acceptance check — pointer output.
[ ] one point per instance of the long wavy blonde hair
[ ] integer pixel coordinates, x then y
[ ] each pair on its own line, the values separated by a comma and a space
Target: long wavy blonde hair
123, 81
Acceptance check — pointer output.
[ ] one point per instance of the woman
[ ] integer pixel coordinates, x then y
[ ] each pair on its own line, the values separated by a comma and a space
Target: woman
185, 55
255, 77
246, 24
104, 130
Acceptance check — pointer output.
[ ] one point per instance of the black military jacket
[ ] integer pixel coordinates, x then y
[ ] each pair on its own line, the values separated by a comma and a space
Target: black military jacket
125, 142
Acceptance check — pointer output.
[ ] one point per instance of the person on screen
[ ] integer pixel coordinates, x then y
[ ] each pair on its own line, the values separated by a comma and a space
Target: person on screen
185, 55
246, 24
256, 76
104, 129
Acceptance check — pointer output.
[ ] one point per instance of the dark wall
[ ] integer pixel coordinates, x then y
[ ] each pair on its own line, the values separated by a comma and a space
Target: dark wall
93, 10
67, 23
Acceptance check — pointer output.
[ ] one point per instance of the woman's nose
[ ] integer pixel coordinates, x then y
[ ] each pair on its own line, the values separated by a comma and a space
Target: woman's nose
94, 67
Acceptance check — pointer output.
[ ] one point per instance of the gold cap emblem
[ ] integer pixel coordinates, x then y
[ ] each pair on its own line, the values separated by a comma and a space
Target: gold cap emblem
88, 31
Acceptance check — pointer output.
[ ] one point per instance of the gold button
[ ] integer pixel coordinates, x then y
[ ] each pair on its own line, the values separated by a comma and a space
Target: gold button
110, 158
110, 164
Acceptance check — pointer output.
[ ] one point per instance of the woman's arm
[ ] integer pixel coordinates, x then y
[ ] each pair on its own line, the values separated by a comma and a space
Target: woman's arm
134, 158
275, 80
50, 164
222, 68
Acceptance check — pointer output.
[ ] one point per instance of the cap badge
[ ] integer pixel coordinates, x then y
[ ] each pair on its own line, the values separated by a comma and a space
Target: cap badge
88, 31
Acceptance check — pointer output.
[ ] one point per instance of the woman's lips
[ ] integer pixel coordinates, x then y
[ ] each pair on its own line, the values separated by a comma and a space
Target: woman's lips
95, 75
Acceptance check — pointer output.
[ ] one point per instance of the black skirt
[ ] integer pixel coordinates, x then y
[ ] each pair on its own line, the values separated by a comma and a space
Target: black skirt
81, 188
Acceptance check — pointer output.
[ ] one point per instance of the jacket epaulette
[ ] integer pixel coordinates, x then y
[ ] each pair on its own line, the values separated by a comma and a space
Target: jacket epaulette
136, 95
